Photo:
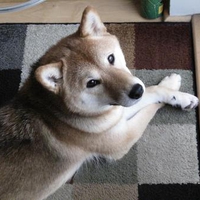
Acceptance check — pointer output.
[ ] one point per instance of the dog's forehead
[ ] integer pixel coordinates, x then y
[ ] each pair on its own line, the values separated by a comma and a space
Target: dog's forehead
104, 42
94, 51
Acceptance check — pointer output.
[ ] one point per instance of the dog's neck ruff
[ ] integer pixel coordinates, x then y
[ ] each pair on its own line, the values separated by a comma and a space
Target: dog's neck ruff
98, 123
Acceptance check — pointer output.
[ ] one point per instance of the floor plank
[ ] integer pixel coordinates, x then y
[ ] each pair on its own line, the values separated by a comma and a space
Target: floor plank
70, 11
196, 38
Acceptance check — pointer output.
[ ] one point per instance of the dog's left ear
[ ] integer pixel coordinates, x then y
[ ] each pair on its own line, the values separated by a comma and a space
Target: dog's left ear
50, 76
91, 24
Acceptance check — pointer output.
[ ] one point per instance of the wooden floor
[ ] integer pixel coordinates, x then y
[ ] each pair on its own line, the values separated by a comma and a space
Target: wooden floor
196, 39
69, 11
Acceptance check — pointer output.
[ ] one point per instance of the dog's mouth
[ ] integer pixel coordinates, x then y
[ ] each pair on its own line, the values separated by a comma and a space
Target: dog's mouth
114, 104
126, 103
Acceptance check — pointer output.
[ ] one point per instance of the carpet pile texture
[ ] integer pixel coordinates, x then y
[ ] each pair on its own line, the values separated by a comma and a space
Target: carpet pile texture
164, 164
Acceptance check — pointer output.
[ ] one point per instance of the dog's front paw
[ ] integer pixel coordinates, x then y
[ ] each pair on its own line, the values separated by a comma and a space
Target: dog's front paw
185, 101
191, 102
172, 82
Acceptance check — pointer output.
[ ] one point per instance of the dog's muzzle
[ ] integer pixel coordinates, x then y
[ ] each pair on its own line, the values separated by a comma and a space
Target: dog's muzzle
136, 91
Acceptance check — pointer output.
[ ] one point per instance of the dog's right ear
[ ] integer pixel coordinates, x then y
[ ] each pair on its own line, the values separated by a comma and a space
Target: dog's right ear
91, 24
50, 76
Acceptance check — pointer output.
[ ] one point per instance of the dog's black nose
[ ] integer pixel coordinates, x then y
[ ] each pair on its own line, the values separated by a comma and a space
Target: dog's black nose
136, 91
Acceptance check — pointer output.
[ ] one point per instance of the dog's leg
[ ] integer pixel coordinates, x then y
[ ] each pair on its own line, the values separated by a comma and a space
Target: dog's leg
165, 92
139, 122
135, 128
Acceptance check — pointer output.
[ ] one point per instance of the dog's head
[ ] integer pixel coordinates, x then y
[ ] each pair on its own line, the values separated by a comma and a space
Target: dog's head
91, 73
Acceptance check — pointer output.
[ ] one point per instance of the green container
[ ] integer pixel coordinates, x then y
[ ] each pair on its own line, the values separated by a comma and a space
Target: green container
151, 9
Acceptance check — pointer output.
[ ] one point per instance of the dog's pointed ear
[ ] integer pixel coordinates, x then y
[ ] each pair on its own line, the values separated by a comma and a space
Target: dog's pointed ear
50, 76
91, 24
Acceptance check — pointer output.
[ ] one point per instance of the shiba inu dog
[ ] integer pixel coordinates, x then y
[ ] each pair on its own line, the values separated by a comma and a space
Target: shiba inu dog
79, 101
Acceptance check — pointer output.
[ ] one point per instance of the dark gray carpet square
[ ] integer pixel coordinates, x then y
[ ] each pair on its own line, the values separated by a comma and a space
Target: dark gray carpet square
12, 39
9, 82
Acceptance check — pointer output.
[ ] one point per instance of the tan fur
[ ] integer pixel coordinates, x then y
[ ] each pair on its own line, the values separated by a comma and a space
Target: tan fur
57, 121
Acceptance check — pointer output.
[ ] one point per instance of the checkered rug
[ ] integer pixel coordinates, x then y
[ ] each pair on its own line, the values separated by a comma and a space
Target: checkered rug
164, 164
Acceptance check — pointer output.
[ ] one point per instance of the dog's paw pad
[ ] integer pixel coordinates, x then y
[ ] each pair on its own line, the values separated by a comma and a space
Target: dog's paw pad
172, 82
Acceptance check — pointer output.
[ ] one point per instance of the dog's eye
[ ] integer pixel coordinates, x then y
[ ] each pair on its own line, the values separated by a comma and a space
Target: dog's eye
92, 83
111, 59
